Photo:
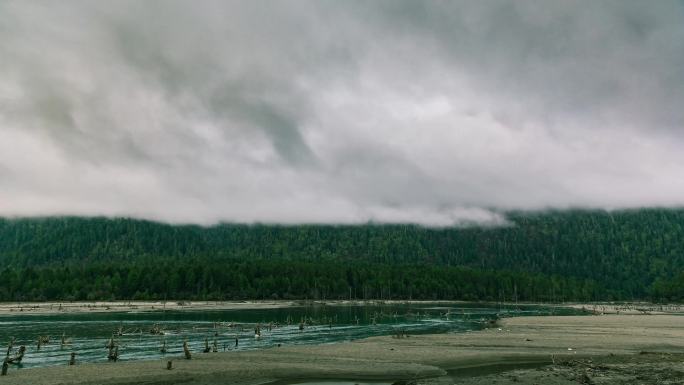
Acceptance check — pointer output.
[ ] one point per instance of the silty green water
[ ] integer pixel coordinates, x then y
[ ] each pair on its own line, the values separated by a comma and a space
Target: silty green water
88, 334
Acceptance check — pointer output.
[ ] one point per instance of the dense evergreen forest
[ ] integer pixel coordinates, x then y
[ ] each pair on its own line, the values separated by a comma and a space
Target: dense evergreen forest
545, 256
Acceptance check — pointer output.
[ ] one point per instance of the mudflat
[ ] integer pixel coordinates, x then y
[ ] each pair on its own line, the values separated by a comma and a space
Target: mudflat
545, 350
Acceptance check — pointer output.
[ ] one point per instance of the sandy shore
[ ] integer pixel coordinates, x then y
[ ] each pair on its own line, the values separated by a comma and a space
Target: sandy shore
628, 308
26, 308
43, 308
430, 359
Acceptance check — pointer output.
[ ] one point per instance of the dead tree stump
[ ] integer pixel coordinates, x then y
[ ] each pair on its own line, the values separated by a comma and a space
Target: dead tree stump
9, 347
113, 353
5, 365
186, 350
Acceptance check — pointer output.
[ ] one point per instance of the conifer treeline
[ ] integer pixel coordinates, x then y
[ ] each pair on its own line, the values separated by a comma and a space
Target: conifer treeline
570, 255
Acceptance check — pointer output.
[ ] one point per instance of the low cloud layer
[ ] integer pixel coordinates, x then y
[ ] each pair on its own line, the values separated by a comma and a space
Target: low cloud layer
430, 112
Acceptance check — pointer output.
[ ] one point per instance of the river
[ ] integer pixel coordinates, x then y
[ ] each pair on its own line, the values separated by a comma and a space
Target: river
88, 334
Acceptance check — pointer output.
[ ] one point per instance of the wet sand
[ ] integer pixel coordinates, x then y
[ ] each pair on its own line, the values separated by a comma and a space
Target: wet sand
483, 357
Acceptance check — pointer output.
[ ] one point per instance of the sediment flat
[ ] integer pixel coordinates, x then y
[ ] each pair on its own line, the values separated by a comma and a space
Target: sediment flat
44, 308
429, 359
78, 307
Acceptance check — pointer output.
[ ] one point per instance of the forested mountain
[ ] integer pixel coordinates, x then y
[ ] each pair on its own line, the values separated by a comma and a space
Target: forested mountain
568, 255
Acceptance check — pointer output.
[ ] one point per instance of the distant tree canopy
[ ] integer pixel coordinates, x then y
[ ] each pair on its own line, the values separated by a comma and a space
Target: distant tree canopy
545, 256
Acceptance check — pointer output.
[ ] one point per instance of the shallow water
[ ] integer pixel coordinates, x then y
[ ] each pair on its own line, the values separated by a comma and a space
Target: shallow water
88, 334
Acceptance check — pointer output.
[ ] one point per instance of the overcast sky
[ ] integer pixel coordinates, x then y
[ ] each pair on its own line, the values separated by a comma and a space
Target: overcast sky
433, 112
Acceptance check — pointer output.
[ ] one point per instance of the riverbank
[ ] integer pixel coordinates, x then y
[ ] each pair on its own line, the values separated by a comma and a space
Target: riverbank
645, 308
45, 308
432, 359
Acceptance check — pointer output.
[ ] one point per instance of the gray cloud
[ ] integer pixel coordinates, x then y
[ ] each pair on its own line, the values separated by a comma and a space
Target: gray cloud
430, 112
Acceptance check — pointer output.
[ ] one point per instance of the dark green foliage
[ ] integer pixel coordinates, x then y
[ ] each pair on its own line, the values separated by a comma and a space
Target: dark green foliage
669, 289
281, 279
571, 255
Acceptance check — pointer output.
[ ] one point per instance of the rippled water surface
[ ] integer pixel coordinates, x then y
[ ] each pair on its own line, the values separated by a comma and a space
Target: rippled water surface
88, 334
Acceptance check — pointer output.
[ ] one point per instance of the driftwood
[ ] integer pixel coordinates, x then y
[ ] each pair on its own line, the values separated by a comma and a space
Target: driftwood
156, 330
18, 357
400, 333
65, 341
43, 340
589, 364
585, 379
